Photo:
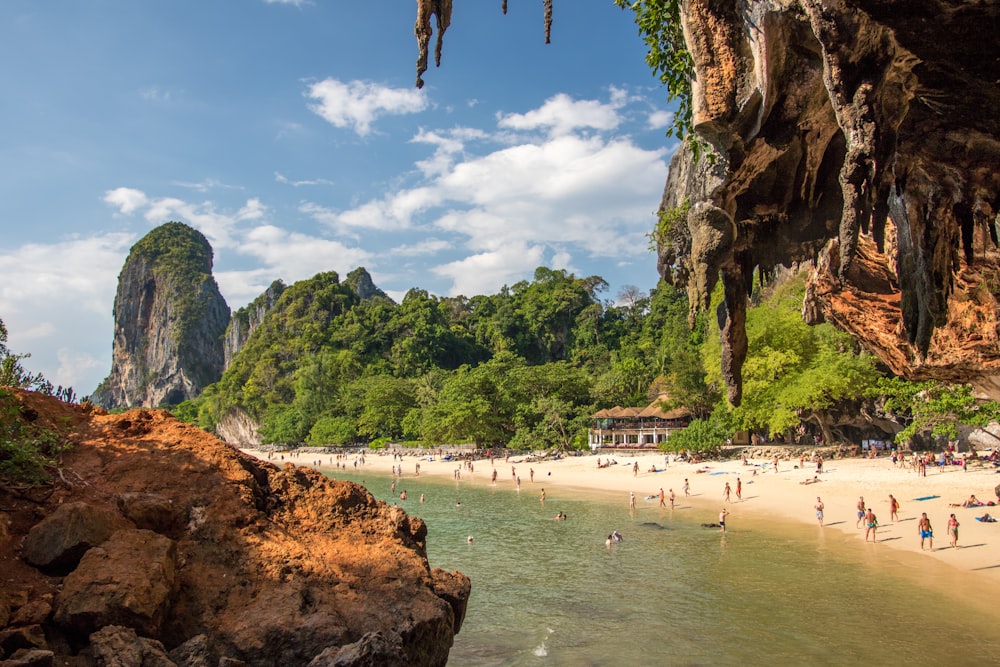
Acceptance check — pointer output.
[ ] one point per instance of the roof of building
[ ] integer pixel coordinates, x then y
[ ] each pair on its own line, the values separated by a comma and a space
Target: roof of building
653, 411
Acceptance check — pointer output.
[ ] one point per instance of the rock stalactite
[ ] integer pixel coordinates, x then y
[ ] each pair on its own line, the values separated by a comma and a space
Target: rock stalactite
863, 134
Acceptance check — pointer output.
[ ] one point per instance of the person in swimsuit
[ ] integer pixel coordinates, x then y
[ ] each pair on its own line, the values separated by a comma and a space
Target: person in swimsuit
953, 531
861, 511
687, 487
871, 524
893, 508
819, 510
722, 519
725, 493
925, 530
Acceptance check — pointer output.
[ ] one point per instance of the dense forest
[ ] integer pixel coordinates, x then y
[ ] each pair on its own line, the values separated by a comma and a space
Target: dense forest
527, 366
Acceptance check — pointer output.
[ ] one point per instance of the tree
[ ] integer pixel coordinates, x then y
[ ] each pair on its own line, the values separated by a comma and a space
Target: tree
12, 372
933, 407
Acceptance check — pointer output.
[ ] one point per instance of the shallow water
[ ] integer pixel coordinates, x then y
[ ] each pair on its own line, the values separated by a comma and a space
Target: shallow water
674, 593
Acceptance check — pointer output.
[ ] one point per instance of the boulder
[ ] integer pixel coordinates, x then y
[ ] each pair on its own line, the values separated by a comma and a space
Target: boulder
152, 512
195, 652
31, 657
115, 646
372, 650
27, 637
128, 581
33, 613
58, 542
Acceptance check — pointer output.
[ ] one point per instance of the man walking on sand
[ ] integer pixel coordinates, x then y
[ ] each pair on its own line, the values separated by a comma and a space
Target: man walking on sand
687, 487
725, 493
739, 489
871, 524
819, 511
861, 511
925, 530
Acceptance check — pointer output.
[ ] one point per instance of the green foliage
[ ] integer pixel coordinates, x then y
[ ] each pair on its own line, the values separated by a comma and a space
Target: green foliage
933, 407
667, 221
12, 372
793, 371
332, 431
26, 450
285, 425
705, 436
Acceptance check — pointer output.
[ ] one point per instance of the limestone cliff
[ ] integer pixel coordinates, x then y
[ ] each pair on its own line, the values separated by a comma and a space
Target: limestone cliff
169, 321
158, 544
863, 135
246, 319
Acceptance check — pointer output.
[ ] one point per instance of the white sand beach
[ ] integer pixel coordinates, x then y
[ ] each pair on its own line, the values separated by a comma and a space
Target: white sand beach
766, 496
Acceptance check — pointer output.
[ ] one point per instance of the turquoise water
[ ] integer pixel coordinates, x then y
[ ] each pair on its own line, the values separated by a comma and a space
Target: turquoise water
674, 593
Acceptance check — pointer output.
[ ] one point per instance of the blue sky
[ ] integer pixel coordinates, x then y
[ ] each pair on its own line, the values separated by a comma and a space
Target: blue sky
290, 133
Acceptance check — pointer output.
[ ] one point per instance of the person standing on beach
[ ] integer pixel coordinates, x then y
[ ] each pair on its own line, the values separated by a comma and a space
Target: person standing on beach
725, 493
722, 519
542, 497
819, 511
861, 511
672, 497
925, 530
531, 473
871, 524
662, 498
739, 489
953, 531
687, 487
893, 508
635, 469
631, 501
775, 463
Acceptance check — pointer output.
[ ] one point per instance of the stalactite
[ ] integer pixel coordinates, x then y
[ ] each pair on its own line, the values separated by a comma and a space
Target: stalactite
422, 29
548, 20
442, 9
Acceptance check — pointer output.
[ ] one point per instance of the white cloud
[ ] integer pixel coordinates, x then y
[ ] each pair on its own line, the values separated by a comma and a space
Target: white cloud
64, 310
429, 246
206, 185
393, 213
281, 178
357, 104
126, 200
294, 3
659, 119
561, 114
484, 272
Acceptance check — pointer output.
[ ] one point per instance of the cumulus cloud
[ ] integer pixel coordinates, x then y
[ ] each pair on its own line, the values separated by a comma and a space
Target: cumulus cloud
484, 272
126, 200
659, 119
64, 312
357, 104
561, 114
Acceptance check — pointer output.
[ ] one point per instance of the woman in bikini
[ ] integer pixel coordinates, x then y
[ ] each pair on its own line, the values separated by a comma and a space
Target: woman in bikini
953, 530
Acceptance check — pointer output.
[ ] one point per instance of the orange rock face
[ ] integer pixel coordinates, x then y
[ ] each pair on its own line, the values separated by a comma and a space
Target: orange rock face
272, 566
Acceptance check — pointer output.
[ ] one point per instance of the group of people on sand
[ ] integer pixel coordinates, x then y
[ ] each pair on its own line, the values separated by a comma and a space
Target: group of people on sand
924, 529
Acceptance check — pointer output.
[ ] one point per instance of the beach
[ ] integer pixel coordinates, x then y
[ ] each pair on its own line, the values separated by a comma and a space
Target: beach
767, 497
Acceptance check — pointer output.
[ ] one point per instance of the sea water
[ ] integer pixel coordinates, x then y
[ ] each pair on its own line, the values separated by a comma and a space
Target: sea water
548, 592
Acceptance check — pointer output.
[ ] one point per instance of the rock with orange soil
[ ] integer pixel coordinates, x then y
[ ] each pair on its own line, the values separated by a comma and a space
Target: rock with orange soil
271, 566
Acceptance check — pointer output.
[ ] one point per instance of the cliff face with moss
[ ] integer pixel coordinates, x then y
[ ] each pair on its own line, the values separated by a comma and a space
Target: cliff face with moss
863, 136
169, 322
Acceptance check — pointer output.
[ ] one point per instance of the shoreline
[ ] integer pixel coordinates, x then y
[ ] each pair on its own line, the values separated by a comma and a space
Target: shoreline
767, 497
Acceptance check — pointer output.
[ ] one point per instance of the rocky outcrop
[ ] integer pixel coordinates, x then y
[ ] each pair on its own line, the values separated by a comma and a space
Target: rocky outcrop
169, 322
361, 282
238, 428
246, 319
863, 134
217, 558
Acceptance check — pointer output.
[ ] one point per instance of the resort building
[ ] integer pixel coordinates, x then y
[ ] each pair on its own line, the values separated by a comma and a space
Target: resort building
636, 428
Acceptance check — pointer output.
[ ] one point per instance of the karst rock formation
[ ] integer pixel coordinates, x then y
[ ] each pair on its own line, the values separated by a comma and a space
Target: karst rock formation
169, 322
863, 136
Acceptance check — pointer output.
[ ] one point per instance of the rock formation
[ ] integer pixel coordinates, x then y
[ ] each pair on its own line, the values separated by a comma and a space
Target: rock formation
361, 282
246, 319
863, 135
161, 545
169, 322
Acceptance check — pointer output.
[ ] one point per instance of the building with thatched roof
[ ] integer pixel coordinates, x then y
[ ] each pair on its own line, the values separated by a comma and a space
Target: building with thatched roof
636, 428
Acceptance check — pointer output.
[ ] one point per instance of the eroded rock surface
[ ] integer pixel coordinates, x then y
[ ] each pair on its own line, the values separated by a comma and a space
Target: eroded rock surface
270, 566
865, 132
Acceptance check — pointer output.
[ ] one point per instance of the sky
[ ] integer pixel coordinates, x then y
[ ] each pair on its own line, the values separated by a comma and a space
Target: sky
291, 134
